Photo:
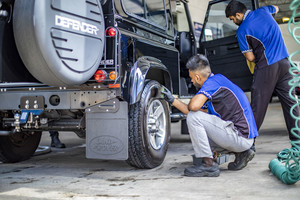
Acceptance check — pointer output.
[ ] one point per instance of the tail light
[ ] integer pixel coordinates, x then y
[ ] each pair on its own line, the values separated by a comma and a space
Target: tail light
113, 75
100, 75
111, 32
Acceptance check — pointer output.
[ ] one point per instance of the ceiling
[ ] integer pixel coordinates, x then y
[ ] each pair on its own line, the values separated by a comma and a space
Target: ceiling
283, 5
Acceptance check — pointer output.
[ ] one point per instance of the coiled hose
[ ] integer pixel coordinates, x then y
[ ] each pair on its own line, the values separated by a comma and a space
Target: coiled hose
286, 166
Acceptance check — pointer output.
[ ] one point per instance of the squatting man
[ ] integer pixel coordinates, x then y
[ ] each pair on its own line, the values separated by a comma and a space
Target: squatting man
219, 117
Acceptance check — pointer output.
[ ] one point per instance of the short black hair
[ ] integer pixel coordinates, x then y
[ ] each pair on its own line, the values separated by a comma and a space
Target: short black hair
199, 62
235, 7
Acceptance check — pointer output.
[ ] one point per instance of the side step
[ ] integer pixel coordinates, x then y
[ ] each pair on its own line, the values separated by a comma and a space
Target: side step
175, 117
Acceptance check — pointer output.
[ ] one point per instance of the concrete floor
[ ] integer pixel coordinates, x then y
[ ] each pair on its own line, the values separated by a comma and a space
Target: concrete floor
67, 174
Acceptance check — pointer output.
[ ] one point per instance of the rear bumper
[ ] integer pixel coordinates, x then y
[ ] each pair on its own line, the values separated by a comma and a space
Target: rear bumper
64, 99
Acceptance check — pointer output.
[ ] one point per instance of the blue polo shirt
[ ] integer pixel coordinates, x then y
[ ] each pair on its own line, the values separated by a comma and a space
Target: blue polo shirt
259, 33
227, 101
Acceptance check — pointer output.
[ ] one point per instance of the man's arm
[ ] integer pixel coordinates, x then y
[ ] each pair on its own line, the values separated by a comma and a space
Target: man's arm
250, 56
276, 7
244, 47
181, 106
197, 102
175, 102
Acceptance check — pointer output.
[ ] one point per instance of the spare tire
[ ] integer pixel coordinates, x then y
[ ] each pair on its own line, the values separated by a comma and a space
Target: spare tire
60, 41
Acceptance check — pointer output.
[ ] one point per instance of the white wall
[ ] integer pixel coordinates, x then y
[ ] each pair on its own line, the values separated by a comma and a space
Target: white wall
198, 10
290, 43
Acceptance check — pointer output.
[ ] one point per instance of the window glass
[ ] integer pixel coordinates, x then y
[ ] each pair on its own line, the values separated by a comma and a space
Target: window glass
179, 18
134, 7
156, 12
170, 30
218, 25
152, 10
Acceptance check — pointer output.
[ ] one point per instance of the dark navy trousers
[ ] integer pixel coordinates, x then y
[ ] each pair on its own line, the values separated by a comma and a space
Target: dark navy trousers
269, 79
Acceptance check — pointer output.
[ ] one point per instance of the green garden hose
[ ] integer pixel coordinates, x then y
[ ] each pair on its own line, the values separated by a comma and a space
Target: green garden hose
286, 166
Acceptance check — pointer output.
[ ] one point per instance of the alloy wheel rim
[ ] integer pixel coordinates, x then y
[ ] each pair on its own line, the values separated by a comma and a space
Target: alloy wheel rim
156, 124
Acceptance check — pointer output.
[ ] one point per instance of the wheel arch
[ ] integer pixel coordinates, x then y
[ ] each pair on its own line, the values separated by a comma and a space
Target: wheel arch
147, 68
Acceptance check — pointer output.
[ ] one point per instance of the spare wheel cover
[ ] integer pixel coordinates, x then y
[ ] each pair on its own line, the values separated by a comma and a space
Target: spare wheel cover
60, 41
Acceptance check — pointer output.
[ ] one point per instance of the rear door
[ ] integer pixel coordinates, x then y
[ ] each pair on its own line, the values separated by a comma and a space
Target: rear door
219, 43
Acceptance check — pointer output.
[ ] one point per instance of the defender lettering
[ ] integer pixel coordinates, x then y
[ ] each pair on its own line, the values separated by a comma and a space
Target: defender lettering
75, 25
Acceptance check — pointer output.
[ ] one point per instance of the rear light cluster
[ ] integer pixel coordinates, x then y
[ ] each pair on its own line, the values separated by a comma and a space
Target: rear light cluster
108, 74
102, 75
111, 32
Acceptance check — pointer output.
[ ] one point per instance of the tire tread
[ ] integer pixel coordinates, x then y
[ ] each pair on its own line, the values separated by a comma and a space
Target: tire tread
137, 150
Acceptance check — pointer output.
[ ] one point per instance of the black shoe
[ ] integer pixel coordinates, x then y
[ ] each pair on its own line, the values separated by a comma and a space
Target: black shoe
55, 142
58, 144
197, 161
241, 160
253, 147
202, 170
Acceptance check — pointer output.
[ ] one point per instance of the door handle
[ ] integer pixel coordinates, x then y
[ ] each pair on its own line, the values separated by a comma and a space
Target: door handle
211, 52
235, 46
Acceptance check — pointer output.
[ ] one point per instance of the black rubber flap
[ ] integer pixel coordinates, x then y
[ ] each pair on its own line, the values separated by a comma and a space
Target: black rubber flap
60, 41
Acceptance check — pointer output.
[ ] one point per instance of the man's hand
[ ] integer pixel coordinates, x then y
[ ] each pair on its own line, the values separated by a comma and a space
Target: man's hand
168, 95
250, 56
277, 8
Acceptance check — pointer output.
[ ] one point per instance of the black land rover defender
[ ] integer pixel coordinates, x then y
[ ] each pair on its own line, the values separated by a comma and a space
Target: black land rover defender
97, 68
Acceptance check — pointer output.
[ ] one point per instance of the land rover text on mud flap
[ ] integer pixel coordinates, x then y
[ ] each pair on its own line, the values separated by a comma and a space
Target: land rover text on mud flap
95, 68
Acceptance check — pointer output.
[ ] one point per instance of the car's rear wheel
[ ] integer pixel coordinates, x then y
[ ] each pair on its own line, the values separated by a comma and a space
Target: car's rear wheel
19, 146
149, 129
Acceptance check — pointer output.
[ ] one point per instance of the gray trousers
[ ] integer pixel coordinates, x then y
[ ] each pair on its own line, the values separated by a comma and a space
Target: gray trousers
209, 132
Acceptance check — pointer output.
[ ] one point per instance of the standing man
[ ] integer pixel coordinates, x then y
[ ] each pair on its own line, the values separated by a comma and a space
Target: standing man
227, 123
261, 41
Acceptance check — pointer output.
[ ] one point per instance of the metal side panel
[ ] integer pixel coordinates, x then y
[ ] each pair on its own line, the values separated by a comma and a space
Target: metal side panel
107, 131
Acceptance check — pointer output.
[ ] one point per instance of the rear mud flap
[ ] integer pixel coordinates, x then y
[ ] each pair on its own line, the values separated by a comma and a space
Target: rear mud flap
107, 131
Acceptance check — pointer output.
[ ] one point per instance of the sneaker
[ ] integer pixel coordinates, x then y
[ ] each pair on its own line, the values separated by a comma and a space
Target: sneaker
241, 160
202, 170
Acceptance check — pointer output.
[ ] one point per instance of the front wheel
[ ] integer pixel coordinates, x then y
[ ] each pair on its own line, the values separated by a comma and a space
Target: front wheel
149, 129
19, 146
